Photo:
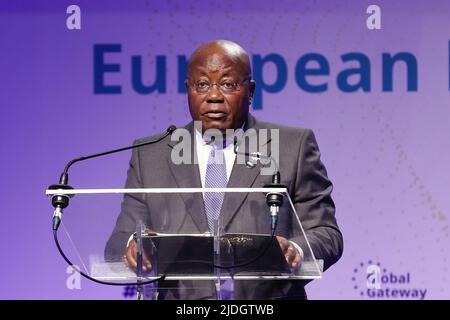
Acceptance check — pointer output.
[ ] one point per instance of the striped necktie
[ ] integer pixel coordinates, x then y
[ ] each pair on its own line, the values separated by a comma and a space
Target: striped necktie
216, 177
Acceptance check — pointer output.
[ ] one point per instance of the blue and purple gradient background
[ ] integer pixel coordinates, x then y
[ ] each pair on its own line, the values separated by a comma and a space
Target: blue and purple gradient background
386, 152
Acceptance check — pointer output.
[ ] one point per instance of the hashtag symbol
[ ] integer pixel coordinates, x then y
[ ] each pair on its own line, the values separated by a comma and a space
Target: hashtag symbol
129, 291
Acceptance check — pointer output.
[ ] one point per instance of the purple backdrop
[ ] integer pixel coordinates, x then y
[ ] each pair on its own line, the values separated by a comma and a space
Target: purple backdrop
386, 152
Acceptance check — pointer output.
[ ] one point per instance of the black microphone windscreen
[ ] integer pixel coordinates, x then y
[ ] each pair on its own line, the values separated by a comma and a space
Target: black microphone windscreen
171, 129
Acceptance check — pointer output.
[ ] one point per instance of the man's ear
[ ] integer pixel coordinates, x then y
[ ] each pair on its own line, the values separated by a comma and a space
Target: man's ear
252, 88
186, 84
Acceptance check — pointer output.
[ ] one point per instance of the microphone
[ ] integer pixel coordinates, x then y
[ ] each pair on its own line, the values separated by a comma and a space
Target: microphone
61, 201
273, 199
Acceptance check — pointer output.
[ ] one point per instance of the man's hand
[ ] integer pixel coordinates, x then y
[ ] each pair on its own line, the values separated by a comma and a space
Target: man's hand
130, 258
290, 252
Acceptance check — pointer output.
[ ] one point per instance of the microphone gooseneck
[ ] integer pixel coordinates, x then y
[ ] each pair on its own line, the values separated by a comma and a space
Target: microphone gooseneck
61, 200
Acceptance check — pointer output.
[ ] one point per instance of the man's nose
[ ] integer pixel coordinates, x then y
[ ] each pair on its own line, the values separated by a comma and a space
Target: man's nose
214, 94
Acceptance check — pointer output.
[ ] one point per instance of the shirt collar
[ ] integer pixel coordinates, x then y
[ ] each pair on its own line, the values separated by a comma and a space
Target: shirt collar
206, 140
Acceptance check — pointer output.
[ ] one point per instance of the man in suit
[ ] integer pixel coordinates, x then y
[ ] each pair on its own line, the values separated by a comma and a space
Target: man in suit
220, 90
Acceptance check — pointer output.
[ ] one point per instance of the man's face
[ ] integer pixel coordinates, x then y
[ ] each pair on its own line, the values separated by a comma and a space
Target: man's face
215, 108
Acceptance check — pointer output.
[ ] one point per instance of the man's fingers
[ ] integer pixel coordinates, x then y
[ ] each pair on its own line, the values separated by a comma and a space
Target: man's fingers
296, 261
290, 254
284, 243
131, 258
146, 264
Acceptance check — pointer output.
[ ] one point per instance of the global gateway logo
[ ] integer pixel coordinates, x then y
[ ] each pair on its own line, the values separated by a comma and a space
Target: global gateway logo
372, 281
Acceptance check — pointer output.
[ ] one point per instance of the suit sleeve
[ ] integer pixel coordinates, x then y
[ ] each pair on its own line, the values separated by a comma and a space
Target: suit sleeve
314, 205
133, 210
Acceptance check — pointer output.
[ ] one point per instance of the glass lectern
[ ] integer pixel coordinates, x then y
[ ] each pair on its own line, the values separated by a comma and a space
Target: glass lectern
194, 260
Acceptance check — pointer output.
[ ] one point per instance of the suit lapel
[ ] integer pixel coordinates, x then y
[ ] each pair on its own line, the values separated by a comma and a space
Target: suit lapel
241, 177
188, 176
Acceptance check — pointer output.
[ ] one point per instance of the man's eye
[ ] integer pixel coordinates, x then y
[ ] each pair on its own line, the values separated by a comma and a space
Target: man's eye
228, 84
202, 84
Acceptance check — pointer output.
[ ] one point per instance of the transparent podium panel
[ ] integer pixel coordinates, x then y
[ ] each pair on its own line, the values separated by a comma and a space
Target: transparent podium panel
188, 249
